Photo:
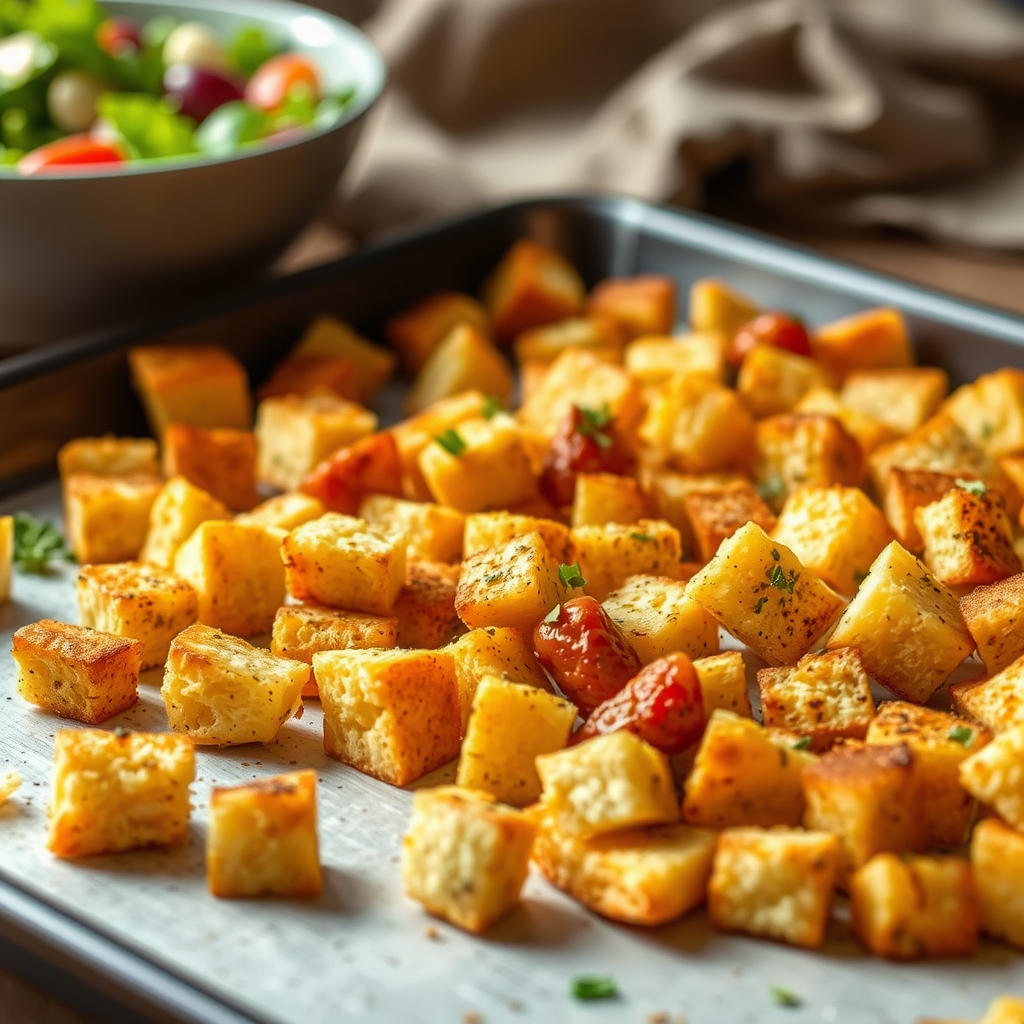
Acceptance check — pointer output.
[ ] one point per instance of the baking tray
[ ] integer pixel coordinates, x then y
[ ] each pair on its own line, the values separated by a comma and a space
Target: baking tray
141, 928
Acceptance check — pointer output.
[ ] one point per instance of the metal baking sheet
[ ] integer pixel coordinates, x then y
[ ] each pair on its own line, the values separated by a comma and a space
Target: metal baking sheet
144, 923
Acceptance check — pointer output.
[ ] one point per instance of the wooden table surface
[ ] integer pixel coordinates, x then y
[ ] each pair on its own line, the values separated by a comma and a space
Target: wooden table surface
998, 280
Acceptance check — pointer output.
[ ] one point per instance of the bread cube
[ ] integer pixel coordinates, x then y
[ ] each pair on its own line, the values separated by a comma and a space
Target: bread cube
1004, 1010
142, 602
541, 346
699, 426
723, 683
302, 630
772, 380
262, 838
284, 511
220, 461
869, 433
904, 908
906, 491
645, 304
580, 378
237, 574
198, 385
715, 513
76, 672
997, 859
837, 532
345, 562
774, 883
509, 726
669, 489
222, 691
109, 456
803, 450
968, 538
824, 697
602, 498
991, 411
870, 797
745, 775
6, 555
714, 306
605, 784
995, 775
873, 340
659, 617
993, 617
371, 465
515, 585
902, 399
481, 465
465, 857
492, 529
416, 333
305, 372
939, 742
464, 360
656, 360
532, 285
390, 714
373, 364
296, 432
638, 876
762, 594
493, 652
1012, 467
425, 607
179, 507
997, 702
434, 532
117, 791
609, 555
906, 626
107, 518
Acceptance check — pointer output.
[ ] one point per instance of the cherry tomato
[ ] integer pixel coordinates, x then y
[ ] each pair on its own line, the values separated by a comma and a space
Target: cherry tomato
199, 91
120, 37
342, 480
68, 154
588, 655
273, 81
662, 704
586, 442
778, 329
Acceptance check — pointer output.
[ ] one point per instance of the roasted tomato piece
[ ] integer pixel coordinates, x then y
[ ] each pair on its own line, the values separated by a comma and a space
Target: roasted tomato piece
662, 704
588, 655
68, 154
370, 466
586, 442
778, 329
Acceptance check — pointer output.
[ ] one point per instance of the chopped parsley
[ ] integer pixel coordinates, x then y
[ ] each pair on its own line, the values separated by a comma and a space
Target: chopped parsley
761, 602
121, 732
594, 424
775, 554
803, 743
35, 543
645, 538
593, 986
961, 734
975, 487
451, 441
571, 576
778, 578
784, 997
987, 430
492, 406
493, 577
552, 616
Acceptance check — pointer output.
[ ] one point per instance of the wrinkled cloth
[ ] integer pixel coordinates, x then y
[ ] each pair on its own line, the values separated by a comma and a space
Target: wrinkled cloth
895, 112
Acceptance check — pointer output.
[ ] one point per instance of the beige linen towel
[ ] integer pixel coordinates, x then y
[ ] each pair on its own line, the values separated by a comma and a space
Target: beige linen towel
900, 112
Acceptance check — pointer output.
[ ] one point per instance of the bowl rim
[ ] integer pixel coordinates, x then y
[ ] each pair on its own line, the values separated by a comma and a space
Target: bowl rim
363, 100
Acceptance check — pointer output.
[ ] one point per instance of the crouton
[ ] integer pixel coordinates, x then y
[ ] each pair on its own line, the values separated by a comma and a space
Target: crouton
997, 857
906, 491
220, 461
902, 399
6, 555
541, 346
715, 306
284, 511
990, 410
867, 432
723, 683
434, 532
995, 775
493, 529
179, 507
416, 333
993, 617
425, 606
714, 514
373, 364
107, 518
997, 702
602, 498
656, 360
109, 456
609, 555
645, 304
873, 340
305, 372
772, 380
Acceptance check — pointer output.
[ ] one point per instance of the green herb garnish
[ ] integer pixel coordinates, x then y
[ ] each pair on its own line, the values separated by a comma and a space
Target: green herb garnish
121, 732
987, 430
571, 576
775, 554
594, 424
491, 407
975, 487
761, 602
961, 734
493, 577
593, 986
784, 997
35, 543
451, 441
778, 579
646, 538
552, 616
803, 743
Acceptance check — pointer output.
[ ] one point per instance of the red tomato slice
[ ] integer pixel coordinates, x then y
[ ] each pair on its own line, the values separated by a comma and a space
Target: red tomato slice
778, 329
270, 84
68, 154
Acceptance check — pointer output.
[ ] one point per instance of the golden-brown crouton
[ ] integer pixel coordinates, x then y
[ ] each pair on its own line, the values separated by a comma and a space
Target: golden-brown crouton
6, 555
142, 602
667, 490
870, 798
996, 702
643, 305
656, 360
107, 518
222, 691
302, 373
903, 399
646, 876
772, 380
179, 507
605, 784
904, 908
991, 411
510, 725
774, 883
723, 683
609, 555
417, 332
492, 529
434, 532
939, 743
198, 385
872, 340
715, 513
541, 346
995, 775
867, 432
906, 491
997, 857
465, 857
425, 607
745, 775
1004, 1010
714, 306
762, 594
115, 791
262, 838
993, 617
391, 714
220, 461
373, 364
824, 697
109, 456
906, 625
602, 498
284, 511
76, 672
